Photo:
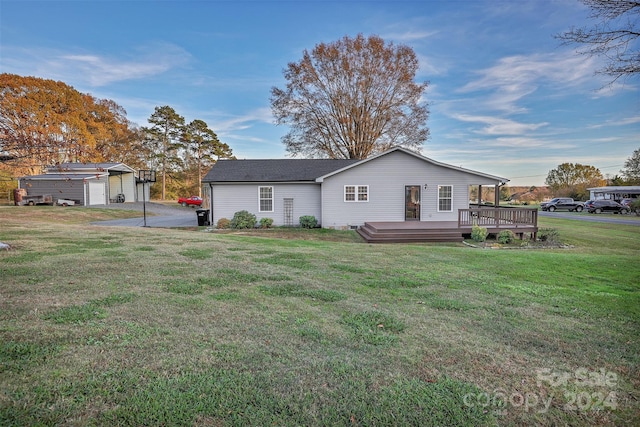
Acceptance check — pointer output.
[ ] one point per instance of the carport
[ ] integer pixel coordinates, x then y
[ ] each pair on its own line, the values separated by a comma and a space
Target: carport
87, 184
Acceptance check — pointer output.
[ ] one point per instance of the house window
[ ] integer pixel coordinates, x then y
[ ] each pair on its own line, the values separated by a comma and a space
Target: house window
356, 193
265, 199
445, 199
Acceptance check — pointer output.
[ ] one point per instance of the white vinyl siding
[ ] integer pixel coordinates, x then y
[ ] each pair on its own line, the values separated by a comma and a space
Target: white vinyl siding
227, 199
265, 199
356, 193
445, 198
386, 178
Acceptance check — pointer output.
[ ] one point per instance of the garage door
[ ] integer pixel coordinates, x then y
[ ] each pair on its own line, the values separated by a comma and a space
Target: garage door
97, 193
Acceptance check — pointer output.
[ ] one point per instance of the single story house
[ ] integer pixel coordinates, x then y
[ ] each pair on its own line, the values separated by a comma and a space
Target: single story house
85, 183
615, 192
397, 186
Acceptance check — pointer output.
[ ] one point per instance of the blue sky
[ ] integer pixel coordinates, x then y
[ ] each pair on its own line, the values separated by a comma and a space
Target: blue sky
505, 97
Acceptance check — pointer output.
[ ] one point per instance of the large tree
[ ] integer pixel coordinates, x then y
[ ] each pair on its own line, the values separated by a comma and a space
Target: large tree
631, 169
123, 140
45, 122
572, 180
202, 148
163, 140
352, 98
613, 35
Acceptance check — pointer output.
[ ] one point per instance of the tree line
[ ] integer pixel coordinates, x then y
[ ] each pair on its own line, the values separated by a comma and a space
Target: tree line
351, 98
574, 179
45, 122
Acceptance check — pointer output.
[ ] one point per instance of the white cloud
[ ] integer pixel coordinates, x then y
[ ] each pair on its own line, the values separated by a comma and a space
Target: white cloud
407, 35
499, 126
430, 67
225, 124
514, 77
96, 70
621, 122
103, 70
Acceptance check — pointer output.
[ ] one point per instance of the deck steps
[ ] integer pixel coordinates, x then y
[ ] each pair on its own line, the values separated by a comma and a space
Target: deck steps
401, 234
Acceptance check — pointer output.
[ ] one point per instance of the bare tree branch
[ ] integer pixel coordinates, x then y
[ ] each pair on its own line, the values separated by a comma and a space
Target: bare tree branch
351, 99
613, 36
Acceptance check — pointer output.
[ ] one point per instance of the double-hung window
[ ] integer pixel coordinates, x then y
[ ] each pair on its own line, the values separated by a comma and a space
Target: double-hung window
265, 199
445, 198
356, 193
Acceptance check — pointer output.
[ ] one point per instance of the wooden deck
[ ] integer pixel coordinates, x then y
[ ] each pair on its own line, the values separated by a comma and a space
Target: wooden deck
411, 231
519, 221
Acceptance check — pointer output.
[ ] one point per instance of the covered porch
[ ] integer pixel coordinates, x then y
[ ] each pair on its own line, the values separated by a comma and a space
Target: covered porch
495, 219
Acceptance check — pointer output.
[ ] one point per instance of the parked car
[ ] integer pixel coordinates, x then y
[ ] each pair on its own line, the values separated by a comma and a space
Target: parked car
600, 206
559, 203
190, 201
588, 204
626, 202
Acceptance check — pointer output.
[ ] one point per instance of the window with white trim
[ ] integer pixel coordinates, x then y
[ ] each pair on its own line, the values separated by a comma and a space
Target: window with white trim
265, 199
356, 193
445, 198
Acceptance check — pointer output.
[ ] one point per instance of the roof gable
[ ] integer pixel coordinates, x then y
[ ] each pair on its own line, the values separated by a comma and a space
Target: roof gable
274, 170
314, 170
418, 156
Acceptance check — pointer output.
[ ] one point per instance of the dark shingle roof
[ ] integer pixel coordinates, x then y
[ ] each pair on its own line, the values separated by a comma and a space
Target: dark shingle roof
274, 170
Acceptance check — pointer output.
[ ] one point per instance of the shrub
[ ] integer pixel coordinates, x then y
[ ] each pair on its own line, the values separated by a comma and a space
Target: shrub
223, 223
548, 235
266, 222
506, 237
479, 234
635, 206
243, 219
308, 221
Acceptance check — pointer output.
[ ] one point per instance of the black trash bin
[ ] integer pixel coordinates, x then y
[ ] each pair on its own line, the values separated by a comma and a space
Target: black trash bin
203, 216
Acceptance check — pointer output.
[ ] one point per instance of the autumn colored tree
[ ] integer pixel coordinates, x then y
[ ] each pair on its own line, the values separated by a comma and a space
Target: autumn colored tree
613, 35
202, 148
44, 122
163, 141
351, 99
123, 141
572, 180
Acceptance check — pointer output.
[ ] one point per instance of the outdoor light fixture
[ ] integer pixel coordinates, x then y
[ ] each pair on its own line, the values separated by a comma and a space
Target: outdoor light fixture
425, 186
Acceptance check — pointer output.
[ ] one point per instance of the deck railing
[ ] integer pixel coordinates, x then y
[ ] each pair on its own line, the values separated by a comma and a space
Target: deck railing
497, 217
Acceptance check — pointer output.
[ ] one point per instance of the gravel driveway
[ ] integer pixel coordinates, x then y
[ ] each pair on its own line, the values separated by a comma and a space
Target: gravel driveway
158, 215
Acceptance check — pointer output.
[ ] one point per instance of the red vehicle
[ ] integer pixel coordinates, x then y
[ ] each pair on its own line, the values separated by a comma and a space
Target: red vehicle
190, 201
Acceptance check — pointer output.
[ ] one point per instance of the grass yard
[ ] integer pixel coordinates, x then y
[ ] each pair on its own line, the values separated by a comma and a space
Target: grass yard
138, 326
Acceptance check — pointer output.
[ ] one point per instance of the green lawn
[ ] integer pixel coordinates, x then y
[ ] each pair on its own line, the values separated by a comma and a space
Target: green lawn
140, 326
